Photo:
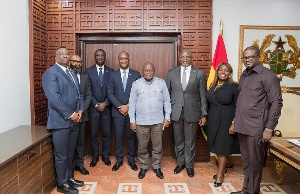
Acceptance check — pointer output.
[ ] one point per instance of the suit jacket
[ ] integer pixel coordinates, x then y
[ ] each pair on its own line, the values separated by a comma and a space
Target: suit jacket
99, 94
193, 98
63, 97
86, 91
115, 90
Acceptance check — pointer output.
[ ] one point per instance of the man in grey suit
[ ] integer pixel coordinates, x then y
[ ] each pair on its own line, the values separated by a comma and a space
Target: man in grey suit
86, 91
187, 88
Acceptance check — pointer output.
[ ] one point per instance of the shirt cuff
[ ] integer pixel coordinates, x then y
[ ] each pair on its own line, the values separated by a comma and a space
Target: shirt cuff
271, 124
72, 115
167, 116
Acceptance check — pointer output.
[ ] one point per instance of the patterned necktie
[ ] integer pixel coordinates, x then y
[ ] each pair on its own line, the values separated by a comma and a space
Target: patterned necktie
124, 80
70, 75
184, 79
101, 77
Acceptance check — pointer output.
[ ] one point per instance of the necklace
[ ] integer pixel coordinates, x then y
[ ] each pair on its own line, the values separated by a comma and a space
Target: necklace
219, 84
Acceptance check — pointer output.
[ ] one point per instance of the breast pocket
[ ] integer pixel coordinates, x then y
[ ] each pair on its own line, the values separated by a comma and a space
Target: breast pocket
141, 95
157, 94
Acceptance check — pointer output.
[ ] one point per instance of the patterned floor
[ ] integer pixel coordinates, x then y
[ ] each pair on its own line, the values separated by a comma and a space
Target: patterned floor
102, 180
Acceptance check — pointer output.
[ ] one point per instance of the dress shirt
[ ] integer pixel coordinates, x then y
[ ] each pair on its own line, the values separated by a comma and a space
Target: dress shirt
78, 76
98, 69
259, 102
149, 101
188, 72
122, 72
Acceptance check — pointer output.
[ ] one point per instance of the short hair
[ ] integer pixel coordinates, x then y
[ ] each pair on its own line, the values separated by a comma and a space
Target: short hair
60, 47
253, 48
100, 50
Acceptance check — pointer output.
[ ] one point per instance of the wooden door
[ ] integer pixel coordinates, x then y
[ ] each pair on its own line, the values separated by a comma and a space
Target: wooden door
162, 55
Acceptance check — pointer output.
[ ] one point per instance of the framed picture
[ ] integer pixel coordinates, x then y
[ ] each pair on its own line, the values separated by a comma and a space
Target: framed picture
279, 49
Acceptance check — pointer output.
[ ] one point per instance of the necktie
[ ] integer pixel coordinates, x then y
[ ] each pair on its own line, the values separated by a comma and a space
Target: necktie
124, 80
70, 75
101, 77
184, 79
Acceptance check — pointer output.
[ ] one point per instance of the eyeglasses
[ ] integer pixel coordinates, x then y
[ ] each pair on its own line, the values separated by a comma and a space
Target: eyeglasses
186, 56
250, 58
148, 71
62, 53
123, 59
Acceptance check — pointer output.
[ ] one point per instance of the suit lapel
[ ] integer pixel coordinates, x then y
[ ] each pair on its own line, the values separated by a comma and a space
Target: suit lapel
178, 77
192, 76
106, 73
66, 76
222, 87
95, 74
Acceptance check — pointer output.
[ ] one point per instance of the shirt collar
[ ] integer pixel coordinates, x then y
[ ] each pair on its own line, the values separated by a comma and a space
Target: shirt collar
62, 67
257, 69
98, 67
187, 68
121, 71
153, 79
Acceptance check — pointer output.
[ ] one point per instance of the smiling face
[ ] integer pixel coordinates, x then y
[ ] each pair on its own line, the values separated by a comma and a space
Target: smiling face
62, 57
123, 58
185, 58
250, 58
149, 71
223, 72
75, 63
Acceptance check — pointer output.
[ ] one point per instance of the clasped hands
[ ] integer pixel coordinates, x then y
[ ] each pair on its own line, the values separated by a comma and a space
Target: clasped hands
123, 109
101, 106
76, 118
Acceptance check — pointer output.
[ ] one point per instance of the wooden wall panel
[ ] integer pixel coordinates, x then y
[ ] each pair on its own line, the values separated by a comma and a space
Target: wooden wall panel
58, 21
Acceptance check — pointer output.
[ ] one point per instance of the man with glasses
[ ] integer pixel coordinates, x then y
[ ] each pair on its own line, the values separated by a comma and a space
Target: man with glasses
100, 109
65, 107
118, 91
258, 109
149, 112
187, 87
85, 90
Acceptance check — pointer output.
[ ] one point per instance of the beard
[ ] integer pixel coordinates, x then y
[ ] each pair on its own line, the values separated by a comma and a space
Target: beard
75, 68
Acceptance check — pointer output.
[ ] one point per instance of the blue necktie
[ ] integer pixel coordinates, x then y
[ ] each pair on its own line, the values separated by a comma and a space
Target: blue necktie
101, 77
124, 80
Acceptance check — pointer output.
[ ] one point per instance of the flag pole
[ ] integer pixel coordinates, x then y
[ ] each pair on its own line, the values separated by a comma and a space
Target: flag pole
221, 27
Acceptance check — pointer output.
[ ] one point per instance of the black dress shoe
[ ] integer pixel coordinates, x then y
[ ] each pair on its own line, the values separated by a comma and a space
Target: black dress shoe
133, 166
158, 173
66, 188
117, 166
142, 173
238, 192
190, 172
75, 183
106, 161
82, 170
94, 162
178, 169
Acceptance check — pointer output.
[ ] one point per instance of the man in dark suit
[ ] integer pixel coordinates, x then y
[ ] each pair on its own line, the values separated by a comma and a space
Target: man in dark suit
65, 107
85, 90
187, 88
100, 109
118, 91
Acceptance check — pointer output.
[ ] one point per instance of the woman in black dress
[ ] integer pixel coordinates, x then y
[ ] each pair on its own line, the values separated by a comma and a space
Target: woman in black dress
221, 98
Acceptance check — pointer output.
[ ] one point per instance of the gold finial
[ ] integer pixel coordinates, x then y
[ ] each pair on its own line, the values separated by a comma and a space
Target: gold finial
221, 27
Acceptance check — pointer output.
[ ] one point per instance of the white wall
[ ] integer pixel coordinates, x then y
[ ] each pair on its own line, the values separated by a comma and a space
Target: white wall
14, 64
255, 12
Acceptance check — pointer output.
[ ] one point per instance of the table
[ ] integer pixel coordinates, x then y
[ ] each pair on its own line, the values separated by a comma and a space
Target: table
285, 153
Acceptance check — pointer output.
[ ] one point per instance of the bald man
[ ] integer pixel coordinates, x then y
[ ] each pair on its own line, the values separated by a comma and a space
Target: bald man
85, 90
149, 112
187, 88
118, 91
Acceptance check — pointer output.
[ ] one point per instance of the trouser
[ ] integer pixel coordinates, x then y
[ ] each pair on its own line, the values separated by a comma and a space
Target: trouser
252, 159
144, 133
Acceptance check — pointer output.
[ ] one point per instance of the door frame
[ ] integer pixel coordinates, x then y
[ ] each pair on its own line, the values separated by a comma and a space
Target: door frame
129, 37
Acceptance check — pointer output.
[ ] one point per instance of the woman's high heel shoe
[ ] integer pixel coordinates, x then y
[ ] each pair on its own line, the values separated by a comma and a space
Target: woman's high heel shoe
225, 173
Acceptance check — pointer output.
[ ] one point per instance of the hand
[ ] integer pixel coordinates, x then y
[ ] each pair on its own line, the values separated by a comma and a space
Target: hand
202, 121
231, 129
80, 114
75, 118
133, 127
266, 136
123, 109
100, 106
167, 123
